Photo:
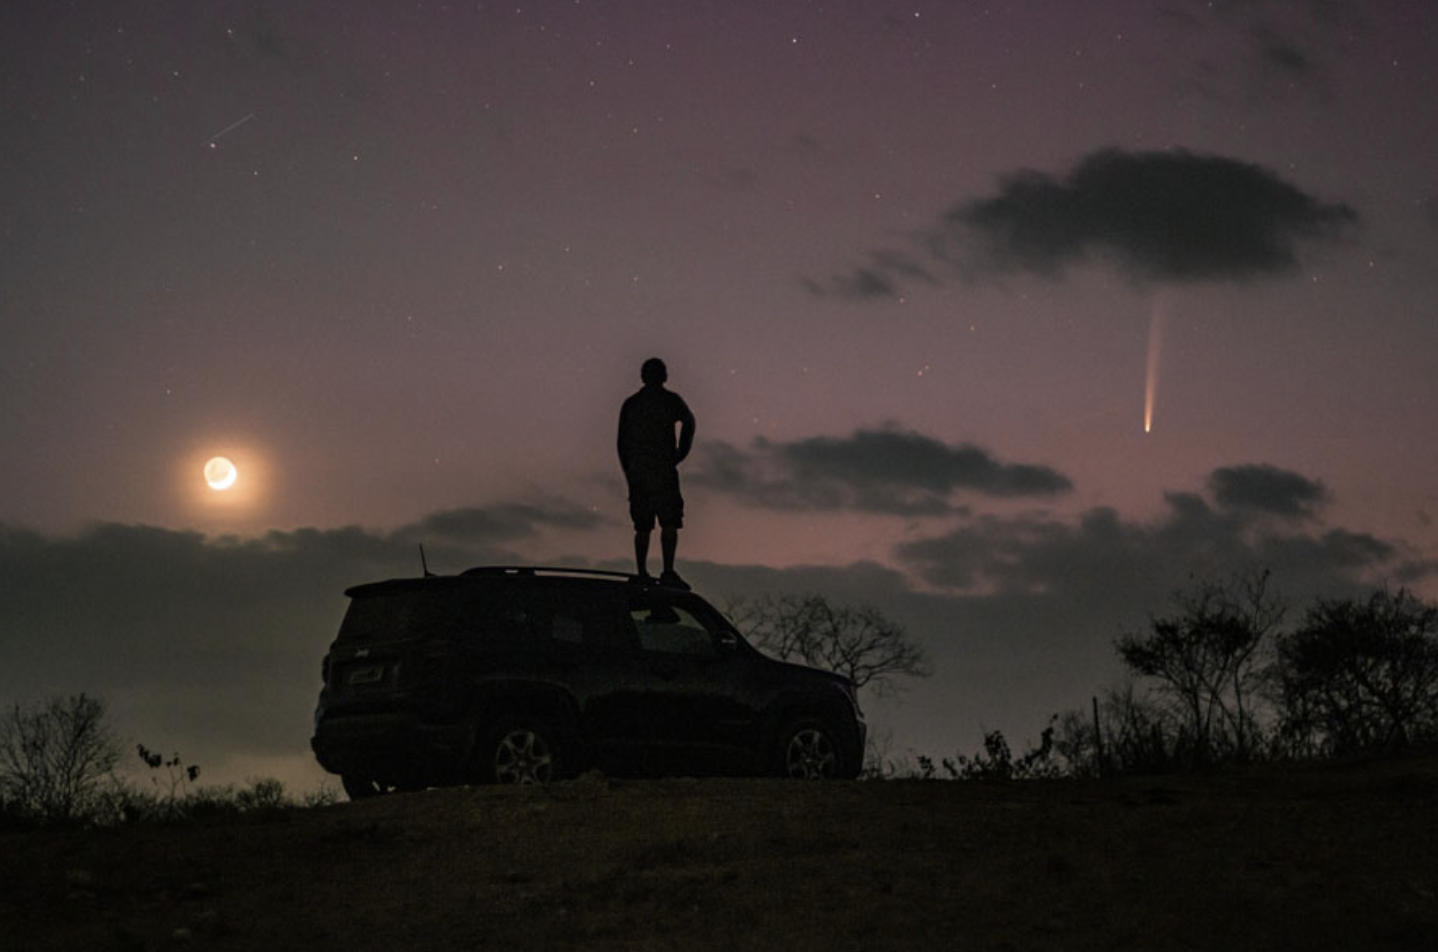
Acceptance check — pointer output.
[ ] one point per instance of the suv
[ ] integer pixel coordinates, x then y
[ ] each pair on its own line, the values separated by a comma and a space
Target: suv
524, 675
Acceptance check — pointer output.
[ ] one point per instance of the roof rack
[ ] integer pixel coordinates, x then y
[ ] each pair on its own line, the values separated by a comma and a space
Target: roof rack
532, 570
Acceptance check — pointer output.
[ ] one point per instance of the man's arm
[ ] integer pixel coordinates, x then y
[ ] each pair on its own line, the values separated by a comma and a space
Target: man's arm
622, 441
686, 430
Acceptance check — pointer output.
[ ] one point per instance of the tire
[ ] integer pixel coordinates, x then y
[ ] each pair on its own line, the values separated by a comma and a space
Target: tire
360, 788
809, 749
520, 750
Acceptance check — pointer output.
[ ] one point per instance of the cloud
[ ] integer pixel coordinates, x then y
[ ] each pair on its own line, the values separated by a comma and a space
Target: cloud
1172, 216
1102, 555
1259, 52
1165, 216
881, 471
864, 282
883, 277
1285, 57
1267, 489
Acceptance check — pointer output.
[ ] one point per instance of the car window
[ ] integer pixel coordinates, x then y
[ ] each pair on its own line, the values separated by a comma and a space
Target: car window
566, 628
575, 616
671, 629
404, 615
492, 618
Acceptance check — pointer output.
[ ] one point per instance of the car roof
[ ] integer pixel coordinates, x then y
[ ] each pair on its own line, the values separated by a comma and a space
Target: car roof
553, 575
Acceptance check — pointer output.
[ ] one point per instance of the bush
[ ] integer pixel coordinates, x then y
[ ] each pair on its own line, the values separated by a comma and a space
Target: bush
1125, 733
57, 763
997, 762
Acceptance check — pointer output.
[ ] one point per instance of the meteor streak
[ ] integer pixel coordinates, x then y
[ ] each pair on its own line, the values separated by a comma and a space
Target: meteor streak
227, 129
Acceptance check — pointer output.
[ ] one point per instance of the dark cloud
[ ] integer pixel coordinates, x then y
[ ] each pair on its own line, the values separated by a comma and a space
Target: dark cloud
1267, 489
1104, 560
1287, 64
1284, 56
864, 283
1172, 216
883, 277
1165, 216
1193, 537
883, 471
1270, 47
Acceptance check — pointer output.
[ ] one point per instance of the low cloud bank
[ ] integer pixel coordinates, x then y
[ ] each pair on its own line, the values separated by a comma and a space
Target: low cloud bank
212, 646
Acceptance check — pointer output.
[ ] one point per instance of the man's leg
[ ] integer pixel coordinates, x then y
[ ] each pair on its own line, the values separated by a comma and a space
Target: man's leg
641, 550
668, 545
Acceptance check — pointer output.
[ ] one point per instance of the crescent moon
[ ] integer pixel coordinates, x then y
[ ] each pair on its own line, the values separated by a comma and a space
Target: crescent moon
220, 473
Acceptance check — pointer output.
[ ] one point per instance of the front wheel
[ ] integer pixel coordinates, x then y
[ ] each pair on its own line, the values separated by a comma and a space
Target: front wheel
809, 750
521, 751
362, 788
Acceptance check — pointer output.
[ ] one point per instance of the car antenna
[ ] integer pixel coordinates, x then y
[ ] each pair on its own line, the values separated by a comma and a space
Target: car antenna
424, 564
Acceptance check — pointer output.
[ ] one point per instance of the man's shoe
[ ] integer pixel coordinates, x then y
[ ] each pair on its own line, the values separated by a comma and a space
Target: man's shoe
672, 580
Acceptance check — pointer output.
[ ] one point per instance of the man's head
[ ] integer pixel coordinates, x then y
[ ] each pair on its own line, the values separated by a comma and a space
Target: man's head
653, 372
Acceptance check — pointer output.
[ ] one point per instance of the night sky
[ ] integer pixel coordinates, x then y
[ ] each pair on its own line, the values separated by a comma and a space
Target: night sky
1006, 318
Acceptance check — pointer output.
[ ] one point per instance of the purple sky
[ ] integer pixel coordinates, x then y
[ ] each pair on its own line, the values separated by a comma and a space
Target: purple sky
915, 266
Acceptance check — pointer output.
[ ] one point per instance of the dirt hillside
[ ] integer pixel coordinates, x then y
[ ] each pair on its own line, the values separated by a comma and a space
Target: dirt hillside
1333, 857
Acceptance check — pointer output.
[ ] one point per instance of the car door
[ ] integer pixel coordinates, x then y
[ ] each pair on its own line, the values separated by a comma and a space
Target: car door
698, 697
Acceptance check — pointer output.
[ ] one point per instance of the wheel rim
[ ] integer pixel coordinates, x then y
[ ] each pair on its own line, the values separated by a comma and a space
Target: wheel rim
523, 756
810, 755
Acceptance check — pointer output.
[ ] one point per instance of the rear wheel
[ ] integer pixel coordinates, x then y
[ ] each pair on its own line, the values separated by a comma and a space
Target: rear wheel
521, 751
809, 750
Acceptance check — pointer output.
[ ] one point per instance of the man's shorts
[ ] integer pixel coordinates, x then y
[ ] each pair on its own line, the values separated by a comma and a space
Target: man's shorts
654, 495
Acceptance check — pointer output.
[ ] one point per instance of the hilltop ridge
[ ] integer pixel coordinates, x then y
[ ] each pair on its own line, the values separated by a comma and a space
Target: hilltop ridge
1273, 857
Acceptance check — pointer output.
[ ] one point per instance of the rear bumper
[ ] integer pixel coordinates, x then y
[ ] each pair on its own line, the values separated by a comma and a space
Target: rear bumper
391, 747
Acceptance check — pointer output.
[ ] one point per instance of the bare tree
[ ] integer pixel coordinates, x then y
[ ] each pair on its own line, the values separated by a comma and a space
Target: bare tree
1206, 657
858, 642
54, 757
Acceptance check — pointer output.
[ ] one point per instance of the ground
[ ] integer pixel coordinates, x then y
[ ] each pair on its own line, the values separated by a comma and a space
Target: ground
1276, 857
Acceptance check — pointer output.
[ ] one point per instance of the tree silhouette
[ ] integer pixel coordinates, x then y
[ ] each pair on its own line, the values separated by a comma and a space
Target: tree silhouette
1206, 659
858, 642
54, 757
1360, 675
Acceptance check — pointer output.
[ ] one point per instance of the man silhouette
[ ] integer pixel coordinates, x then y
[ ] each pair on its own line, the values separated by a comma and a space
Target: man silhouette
650, 456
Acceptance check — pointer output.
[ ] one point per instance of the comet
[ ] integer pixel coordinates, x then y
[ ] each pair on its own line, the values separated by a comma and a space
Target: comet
1156, 321
228, 129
